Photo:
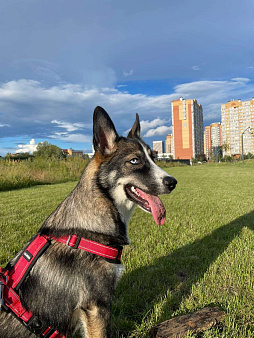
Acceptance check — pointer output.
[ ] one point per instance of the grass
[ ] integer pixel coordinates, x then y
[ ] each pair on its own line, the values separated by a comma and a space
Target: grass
202, 255
27, 173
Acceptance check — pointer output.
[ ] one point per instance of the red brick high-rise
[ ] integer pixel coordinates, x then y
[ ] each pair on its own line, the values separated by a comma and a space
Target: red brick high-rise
187, 122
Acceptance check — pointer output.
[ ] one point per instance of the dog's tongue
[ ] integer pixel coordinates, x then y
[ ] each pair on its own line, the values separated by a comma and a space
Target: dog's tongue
156, 206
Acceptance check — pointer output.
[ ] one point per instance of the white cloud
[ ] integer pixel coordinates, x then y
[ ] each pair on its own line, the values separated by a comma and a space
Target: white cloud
73, 138
147, 127
67, 135
4, 125
121, 86
72, 101
210, 89
130, 73
159, 131
69, 126
40, 110
242, 80
27, 148
211, 94
195, 68
109, 90
155, 127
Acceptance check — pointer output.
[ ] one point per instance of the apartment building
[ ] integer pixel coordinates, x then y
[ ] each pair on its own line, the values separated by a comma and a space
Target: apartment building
207, 142
187, 126
169, 144
212, 140
158, 146
237, 117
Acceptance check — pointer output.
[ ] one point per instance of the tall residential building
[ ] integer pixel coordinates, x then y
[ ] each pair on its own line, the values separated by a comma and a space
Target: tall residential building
236, 117
158, 146
169, 144
212, 140
207, 142
187, 123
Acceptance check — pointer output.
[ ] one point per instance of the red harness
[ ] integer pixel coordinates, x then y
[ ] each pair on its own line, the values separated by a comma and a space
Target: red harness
11, 279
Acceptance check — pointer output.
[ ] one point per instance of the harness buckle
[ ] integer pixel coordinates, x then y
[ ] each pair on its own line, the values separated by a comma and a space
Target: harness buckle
35, 325
76, 244
117, 259
119, 254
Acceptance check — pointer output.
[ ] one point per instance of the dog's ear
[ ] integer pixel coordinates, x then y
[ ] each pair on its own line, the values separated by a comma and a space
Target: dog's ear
104, 132
135, 130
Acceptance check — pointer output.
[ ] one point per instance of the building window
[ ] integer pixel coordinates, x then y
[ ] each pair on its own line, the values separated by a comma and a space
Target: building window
184, 111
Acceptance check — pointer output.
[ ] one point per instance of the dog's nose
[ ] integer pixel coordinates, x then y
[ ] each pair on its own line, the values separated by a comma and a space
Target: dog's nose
170, 182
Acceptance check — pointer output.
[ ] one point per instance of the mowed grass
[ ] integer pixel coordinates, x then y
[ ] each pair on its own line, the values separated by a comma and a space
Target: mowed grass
202, 255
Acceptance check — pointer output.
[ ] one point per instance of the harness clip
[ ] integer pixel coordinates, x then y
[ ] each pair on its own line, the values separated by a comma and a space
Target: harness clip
35, 325
76, 242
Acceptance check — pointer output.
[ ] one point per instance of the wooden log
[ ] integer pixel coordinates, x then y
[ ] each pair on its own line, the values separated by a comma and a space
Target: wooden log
196, 322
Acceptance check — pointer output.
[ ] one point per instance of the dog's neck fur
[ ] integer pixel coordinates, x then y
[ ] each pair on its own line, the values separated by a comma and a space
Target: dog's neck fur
88, 213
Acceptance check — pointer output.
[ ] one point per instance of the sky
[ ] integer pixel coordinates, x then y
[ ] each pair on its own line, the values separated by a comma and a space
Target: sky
60, 59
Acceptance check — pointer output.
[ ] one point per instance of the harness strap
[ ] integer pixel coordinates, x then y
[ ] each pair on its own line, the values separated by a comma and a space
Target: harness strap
12, 277
11, 280
31, 322
27, 260
96, 248
12, 301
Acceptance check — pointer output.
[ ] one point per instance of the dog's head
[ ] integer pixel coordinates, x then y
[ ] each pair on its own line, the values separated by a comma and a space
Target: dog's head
127, 172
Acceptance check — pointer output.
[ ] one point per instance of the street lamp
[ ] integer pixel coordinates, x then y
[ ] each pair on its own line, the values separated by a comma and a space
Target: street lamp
242, 143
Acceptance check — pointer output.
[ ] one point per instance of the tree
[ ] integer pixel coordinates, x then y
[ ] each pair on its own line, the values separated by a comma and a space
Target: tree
18, 156
225, 147
201, 157
48, 150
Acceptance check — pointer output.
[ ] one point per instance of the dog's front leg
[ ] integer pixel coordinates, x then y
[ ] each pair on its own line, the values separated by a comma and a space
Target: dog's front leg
92, 322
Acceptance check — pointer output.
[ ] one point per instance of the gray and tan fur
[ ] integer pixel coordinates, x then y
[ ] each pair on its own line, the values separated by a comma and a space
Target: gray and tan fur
71, 289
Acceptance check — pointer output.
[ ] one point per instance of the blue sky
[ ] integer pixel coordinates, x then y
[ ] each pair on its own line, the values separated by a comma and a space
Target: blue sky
59, 59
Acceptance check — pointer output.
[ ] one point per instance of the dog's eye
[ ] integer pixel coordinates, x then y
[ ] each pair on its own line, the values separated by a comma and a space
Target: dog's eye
134, 161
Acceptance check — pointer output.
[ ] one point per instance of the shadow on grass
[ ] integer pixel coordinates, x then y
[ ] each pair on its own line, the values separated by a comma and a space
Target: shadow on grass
172, 275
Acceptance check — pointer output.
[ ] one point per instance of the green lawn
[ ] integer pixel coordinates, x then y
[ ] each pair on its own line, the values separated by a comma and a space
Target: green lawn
202, 255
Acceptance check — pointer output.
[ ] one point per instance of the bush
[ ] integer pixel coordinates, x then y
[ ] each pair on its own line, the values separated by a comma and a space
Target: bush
168, 164
227, 158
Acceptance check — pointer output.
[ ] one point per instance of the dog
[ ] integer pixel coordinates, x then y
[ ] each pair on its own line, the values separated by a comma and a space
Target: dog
71, 289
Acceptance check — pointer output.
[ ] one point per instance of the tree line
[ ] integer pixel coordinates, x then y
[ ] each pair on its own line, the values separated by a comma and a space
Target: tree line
44, 150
